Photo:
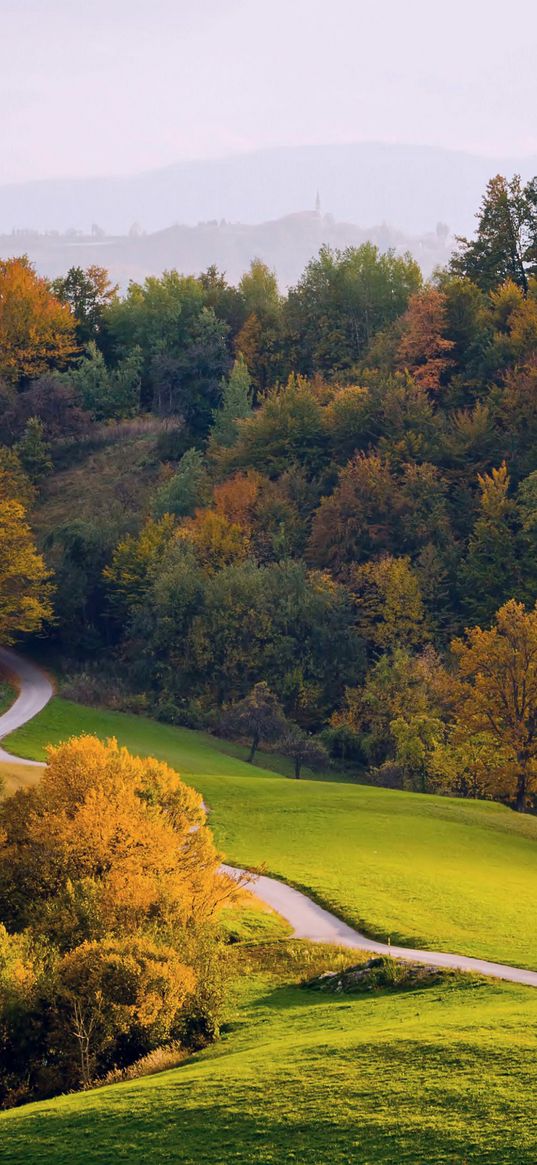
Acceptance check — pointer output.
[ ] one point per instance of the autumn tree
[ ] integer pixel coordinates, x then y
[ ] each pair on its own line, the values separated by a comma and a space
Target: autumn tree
216, 541
424, 348
389, 604
401, 689
115, 995
128, 576
259, 717
497, 672
24, 585
111, 887
469, 766
37, 332
106, 843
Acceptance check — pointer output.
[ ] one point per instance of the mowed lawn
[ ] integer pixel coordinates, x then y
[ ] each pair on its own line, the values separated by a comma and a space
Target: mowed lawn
444, 1075
429, 871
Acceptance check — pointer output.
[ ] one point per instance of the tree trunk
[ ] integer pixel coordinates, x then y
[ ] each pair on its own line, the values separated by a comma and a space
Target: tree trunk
522, 781
254, 747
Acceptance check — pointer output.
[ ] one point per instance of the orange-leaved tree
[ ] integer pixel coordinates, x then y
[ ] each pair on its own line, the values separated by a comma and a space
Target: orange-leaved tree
497, 694
37, 332
106, 844
424, 348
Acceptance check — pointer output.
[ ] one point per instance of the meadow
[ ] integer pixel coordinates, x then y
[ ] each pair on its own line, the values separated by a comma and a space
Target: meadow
423, 870
442, 1075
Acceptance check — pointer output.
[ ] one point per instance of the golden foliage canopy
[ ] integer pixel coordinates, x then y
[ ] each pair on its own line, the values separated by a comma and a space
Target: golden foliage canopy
107, 843
36, 330
24, 586
497, 694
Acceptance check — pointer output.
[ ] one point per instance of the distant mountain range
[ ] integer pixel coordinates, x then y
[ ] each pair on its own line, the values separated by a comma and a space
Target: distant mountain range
411, 187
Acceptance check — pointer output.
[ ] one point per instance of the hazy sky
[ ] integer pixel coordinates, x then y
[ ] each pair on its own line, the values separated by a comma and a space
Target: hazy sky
117, 86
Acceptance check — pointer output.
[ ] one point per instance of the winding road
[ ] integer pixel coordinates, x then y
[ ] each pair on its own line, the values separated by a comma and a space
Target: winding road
308, 920
35, 690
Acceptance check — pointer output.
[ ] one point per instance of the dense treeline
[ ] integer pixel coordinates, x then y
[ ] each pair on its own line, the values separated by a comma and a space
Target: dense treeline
346, 481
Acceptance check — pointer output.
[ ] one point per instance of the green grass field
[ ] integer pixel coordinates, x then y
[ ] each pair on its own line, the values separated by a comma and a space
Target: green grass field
8, 694
443, 1075
427, 871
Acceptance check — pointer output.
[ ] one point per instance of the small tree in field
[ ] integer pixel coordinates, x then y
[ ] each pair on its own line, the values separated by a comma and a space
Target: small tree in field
304, 749
259, 717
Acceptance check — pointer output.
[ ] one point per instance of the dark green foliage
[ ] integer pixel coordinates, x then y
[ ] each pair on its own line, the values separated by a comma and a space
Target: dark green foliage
34, 451
259, 717
505, 246
188, 488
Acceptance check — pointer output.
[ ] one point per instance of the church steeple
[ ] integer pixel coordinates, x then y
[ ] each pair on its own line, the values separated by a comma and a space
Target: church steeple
318, 203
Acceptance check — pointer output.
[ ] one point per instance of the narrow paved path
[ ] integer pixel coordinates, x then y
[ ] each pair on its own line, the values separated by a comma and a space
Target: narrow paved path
35, 690
308, 920
313, 922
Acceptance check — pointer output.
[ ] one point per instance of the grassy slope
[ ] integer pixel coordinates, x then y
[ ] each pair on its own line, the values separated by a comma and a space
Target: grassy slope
108, 484
441, 1076
431, 871
8, 694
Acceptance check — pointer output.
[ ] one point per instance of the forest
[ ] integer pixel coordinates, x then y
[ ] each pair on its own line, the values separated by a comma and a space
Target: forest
313, 519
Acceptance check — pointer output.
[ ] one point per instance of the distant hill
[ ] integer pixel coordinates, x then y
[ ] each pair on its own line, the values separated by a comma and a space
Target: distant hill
285, 244
412, 187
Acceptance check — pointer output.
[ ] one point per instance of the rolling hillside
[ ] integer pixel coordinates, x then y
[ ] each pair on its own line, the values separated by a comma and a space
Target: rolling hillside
422, 870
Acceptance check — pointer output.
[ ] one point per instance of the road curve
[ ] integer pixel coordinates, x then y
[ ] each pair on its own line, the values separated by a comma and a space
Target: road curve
308, 920
35, 690
313, 922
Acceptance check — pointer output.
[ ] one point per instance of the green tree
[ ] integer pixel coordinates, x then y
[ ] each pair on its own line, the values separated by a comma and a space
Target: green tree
88, 293
236, 405
490, 572
105, 393
34, 451
505, 244
259, 717
188, 489
341, 301
303, 749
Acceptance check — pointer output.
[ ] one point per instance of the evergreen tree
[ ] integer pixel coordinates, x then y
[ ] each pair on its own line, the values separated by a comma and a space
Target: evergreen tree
186, 490
505, 245
236, 404
108, 394
34, 451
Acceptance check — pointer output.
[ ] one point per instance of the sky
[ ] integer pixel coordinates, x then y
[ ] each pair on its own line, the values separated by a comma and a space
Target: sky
103, 87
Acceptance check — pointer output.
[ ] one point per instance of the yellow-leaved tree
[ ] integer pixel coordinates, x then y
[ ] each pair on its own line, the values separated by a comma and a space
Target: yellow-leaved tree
110, 886
24, 579
37, 332
497, 694
104, 844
